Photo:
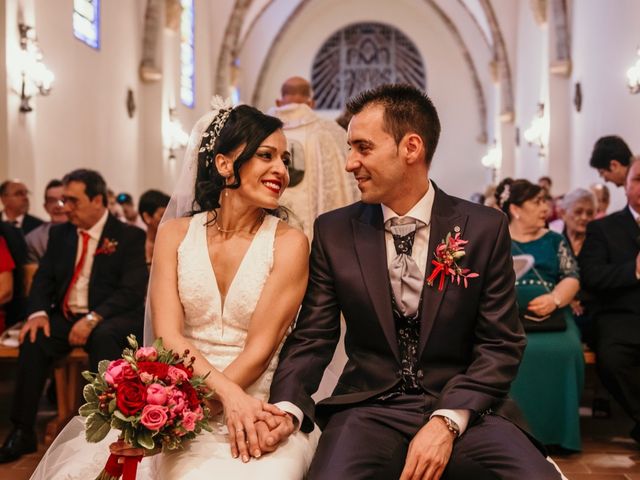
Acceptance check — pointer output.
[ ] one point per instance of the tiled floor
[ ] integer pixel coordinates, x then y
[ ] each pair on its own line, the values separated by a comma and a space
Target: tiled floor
608, 454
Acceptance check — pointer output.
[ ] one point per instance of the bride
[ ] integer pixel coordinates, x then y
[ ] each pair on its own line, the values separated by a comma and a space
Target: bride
226, 283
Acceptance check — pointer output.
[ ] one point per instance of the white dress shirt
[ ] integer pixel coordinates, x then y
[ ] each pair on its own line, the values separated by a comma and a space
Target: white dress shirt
79, 294
421, 211
16, 223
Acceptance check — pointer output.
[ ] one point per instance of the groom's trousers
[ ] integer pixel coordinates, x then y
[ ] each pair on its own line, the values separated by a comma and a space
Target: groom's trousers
370, 441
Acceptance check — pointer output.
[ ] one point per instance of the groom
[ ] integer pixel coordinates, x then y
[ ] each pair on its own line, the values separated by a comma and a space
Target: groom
424, 392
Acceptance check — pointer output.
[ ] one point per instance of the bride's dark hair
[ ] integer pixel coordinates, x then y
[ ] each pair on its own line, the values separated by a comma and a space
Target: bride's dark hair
246, 126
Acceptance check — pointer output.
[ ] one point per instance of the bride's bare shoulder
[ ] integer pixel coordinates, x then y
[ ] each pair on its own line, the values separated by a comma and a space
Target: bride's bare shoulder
289, 238
173, 231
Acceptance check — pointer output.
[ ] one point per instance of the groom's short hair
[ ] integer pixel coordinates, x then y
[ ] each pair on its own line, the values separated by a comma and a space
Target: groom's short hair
406, 110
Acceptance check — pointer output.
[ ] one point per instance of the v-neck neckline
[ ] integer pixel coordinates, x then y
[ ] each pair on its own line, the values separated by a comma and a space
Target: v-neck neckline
223, 299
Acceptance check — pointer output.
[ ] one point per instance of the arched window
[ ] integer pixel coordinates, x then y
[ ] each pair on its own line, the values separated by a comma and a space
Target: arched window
187, 55
363, 56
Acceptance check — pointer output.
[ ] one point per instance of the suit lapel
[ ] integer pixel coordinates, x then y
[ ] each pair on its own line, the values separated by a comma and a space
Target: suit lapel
70, 252
110, 232
444, 219
630, 225
368, 231
67, 259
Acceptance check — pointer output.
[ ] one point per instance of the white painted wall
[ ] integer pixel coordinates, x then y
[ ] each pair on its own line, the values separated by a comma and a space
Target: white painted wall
456, 166
84, 121
605, 36
531, 86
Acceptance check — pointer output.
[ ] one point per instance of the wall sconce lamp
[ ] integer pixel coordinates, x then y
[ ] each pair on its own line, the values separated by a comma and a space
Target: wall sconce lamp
493, 161
534, 135
633, 76
36, 78
175, 136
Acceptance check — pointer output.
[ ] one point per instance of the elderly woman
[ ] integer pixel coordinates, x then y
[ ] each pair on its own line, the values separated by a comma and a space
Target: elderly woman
551, 375
577, 209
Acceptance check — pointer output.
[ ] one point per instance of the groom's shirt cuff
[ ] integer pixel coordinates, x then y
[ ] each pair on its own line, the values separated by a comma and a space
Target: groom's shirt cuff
293, 410
461, 417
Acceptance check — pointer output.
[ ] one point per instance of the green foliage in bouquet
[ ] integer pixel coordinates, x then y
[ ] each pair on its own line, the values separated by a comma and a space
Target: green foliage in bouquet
150, 395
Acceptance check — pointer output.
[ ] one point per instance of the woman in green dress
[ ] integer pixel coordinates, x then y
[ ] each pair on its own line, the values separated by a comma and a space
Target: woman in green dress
551, 376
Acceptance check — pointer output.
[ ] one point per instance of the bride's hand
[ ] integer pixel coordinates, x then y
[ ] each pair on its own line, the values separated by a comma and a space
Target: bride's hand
242, 411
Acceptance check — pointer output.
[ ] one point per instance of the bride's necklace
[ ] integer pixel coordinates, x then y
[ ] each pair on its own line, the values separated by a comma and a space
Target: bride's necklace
234, 230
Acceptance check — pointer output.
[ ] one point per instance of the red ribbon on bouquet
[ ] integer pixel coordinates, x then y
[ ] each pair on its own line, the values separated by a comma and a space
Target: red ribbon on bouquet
113, 470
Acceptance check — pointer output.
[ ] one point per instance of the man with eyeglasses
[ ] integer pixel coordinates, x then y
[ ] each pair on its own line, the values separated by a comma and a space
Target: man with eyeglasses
15, 199
89, 292
37, 239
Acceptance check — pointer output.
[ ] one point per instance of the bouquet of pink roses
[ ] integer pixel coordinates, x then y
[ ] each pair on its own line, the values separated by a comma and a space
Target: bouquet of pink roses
151, 396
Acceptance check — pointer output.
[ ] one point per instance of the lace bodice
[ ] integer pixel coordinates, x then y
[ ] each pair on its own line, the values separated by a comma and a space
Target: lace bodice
220, 334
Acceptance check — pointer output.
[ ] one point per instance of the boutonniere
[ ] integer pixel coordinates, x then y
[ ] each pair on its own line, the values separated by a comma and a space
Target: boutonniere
447, 255
108, 247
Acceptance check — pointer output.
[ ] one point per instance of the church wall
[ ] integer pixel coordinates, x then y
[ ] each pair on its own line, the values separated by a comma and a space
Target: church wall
531, 86
84, 121
456, 165
604, 41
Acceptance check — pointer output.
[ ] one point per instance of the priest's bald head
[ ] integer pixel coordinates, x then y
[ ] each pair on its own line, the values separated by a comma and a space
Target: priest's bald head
296, 90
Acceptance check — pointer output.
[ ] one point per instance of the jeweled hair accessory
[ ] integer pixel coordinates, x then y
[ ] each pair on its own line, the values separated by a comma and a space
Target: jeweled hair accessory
224, 108
504, 196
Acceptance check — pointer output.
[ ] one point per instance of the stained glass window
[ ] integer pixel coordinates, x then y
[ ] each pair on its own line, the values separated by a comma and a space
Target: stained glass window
86, 22
363, 56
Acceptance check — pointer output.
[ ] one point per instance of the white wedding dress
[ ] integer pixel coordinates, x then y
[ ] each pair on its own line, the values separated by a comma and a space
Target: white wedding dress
218, 329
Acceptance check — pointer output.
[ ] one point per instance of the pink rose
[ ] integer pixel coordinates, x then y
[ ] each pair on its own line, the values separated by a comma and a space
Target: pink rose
117, 371
146, 377
148, 354
154, 417
189, 420
177, 375
156, 394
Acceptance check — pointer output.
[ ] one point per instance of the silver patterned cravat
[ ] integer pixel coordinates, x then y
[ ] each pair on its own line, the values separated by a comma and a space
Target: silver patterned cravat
404, 275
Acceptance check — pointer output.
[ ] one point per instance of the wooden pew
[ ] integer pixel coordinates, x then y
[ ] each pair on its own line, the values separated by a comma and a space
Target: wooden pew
69, 382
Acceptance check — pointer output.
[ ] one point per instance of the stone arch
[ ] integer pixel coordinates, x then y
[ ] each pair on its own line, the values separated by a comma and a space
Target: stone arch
481, 102
229, 47
501, 59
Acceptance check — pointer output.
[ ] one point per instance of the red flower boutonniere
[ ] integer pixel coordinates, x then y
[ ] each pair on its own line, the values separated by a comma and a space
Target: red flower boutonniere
108, 247
446, 262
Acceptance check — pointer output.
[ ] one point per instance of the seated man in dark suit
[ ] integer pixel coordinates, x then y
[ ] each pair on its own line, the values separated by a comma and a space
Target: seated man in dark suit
88, 291
15, 199
610, 270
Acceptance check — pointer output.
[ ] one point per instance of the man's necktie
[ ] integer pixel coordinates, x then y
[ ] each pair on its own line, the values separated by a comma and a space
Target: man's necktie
405, 277
76, 273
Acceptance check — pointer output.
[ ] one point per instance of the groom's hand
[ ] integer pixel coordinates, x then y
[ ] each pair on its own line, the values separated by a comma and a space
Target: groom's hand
429, 452
271, 435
